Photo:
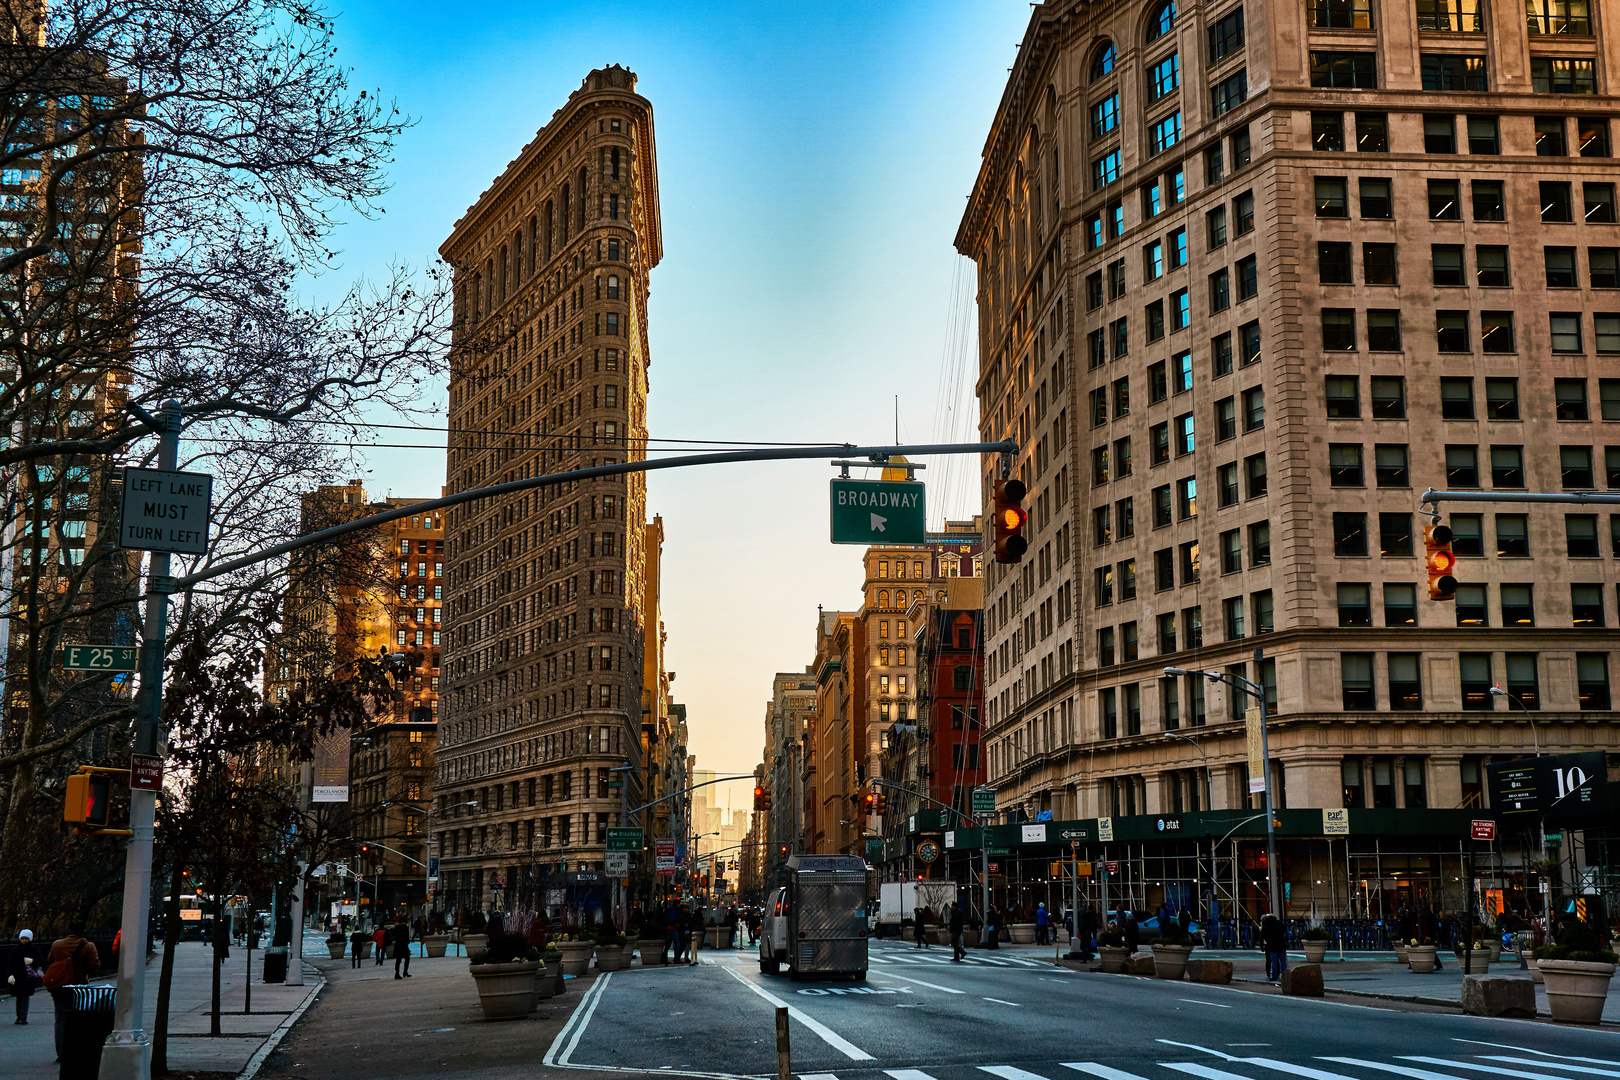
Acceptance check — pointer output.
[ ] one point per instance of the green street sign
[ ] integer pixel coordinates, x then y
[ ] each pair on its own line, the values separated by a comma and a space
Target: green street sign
100, 657
1555, 838
995, 851
615, 785
878, 512
624, 840
984, 800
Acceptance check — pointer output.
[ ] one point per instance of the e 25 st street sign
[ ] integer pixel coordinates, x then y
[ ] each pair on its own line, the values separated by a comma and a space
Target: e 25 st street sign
878, 512
100, 657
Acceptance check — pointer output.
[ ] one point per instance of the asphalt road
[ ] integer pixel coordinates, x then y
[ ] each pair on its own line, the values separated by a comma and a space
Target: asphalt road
921, 1017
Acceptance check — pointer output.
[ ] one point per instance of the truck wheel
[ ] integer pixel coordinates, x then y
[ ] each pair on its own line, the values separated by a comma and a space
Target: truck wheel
793, 974
772, 966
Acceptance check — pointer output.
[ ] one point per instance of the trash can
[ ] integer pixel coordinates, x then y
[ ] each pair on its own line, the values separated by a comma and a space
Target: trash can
89, 1021
275, 964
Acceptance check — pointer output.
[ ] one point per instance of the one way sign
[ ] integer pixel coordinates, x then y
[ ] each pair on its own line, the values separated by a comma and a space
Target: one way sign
878, 512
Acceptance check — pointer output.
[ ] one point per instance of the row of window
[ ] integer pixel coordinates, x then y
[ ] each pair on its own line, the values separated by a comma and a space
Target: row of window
1454, 331
1481, 134
1555, 199
1564, 17
1387, 398
1516, 604
1335, 261
1442, 72
1477, 680
1350, 539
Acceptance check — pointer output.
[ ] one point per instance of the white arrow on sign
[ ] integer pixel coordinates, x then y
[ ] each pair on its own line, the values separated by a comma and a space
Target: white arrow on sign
877, 523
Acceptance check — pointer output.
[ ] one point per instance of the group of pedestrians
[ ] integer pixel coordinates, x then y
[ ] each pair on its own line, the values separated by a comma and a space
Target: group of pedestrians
388, 941
69, 962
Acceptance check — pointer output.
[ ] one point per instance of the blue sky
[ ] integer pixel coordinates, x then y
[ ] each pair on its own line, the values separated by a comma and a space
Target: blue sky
814, 161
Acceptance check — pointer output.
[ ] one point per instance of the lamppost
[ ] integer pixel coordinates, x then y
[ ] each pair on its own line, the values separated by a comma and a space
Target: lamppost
1258, 692
427, 847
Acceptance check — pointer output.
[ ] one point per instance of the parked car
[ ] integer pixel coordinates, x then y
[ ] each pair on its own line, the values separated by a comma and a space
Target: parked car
1150, 928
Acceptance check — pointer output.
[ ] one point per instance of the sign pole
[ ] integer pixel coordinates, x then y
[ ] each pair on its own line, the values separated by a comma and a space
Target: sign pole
128, 1051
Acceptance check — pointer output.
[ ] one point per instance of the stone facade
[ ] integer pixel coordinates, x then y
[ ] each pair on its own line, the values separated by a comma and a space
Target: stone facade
1248, 286
545, 630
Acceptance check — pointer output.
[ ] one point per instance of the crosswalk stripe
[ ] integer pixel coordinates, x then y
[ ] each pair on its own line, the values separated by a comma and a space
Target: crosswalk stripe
1023, 961
1007, 1072
1204, 1071
987, 960
818, 1076
1398, 1070
1297, 1070
1102, 1071
1491, 1069
908, 1074
1553, 1064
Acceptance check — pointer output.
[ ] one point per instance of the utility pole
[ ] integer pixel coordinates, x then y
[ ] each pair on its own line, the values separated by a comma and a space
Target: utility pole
128, 1051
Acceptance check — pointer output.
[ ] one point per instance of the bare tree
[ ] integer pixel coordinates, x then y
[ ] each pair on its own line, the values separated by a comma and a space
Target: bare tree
169, 172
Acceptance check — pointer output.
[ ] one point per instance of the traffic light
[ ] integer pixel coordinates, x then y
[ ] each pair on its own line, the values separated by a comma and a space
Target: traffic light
761, 797
1008, 498
85, 805
882, 802
869, 800
1437, 548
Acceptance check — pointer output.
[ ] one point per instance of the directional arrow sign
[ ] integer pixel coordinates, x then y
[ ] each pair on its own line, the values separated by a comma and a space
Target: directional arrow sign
878, 512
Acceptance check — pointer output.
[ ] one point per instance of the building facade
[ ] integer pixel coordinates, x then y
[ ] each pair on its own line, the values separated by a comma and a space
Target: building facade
391, 795
546, 625
789, 716
1251, 278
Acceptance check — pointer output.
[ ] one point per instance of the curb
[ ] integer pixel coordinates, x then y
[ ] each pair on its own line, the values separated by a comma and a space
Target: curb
1415, 999
256, 1062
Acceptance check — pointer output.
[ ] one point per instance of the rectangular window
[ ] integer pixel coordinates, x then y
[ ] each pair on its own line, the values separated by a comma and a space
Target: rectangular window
1512, 536
1502, 399
1603, 267
1550, 75
1220, 290
1456, 398
1248, 275
1343, 397
1226, 484
1491, 266
1164, 134
1447, 260
1521, 679
1105, 115
1231, 551
1226, 35
1606, 335
1232, 613
1249, 343
1338, 331
1592, 136
1164, 77
1161, 506
1482, 135
1443, 204
1181, 372
1254, 471
1260, 544
1550, 136
1580, 536
1496, 331
1333, 262
1175, 248
1487, 199
1105, 170
1575, 469
1467, 533
1180, 310
1372, 133
1394, 534
1327, 132
1451, 71
1592, 680
1599, 199
1187, 498
1560, 265
1189, 575
1184, 434
1558, 17
1243, 213
1474, 670
1400, 604
1439, 133
1155, 320
1349, 70
1383, 330
1220, 354
1388, 395
1405, 684
1565, 328
1229, 93
1376, 201
1449, 16
1451, 331
1507, 466
1355, 603
1462, 466
1356, 681
1214, 165
1556, 205
1349, 533
1390, 466
1569, 397
1225, 419
1378, 264
1470, 605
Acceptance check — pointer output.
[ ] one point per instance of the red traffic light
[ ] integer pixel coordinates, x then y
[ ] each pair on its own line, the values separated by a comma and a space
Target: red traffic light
1009, 518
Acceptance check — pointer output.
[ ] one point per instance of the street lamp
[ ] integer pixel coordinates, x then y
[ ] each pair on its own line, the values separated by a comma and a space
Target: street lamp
1535, 735
1256, 691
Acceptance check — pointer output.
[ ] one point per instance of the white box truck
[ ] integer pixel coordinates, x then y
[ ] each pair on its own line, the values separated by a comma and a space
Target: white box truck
899, 900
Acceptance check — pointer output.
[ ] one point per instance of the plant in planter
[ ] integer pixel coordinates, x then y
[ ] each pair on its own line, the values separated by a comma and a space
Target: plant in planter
473, 932
504, 973
1420, 957
1112, 951
1478, 960
334, 944
610, 949
1576, 972
1170, 952
576, 953
1315, 940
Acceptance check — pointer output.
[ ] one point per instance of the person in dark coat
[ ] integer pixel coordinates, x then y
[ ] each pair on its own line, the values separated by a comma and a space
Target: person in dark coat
992, 927
357, 944
920, 932
24, 972
1088, 932
1274, 940
402, 947
74, 949
1132, 932
958, 922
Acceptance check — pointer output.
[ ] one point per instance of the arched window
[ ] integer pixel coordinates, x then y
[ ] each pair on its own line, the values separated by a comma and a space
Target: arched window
1164, 17
1102, 61
883, 598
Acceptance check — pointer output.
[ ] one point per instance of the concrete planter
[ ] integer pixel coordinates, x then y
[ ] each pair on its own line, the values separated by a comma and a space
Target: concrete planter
1421, 958
1315, 951
1495, 946
939, 935
1474, 961
433, 944
712, 936
1400, 952
1113, 958
506, 991
1170, 961
473, 942
1576, 989
366, 947
554, 970
1535, 971
1023, 933
908, 933
576, 956
611, 958
335, 949
545, 983
651, 950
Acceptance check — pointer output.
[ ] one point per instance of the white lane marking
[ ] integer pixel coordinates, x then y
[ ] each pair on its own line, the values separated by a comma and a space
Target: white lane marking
908, 1074
1196, 1001
1297, 1070
1554, 1064
1398, 1070
919, 982
1102, 1071
1195, 1046
1204, 1071
818, 1076
585, 1019
987, 960
998, 1001
1493, 1070
828, 1035
1007, 1072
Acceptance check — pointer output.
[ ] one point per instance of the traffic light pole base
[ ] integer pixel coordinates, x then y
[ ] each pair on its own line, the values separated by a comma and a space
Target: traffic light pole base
127, 1056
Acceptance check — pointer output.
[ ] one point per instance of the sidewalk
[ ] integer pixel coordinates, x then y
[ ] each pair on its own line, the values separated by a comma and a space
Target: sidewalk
31, 1051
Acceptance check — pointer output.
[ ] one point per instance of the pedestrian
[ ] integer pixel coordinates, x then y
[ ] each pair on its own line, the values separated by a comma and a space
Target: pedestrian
919, 935
24, 975
1041, 924
958, 921
379, 939
1185, 920
357, 945
992, 927
692, 932
1132, 931
402, 946
1088, 932
70, 962
672, 931
731, 927
1274, 940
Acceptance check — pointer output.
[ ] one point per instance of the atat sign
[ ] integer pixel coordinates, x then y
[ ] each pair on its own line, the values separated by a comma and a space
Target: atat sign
868, 512
165, 511
1555, 788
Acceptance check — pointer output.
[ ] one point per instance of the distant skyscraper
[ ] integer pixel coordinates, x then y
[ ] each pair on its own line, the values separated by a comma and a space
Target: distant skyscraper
546, 615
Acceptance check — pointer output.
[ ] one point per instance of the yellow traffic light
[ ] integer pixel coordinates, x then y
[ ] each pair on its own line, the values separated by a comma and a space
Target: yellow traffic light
85, 804
1442, 562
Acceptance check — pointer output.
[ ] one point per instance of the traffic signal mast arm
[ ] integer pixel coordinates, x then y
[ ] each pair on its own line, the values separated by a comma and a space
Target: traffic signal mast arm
1441, 561
918, 795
